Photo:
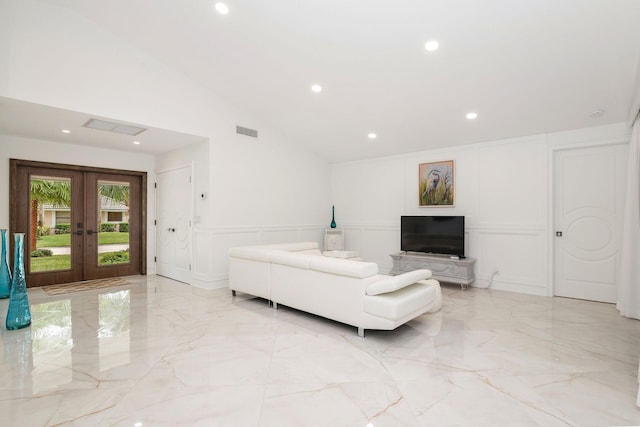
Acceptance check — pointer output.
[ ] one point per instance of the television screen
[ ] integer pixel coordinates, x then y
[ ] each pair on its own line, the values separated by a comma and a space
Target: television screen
432, 234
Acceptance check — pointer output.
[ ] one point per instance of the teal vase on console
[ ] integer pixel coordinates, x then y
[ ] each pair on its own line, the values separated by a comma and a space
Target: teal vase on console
5, 273
18, 314
333, 217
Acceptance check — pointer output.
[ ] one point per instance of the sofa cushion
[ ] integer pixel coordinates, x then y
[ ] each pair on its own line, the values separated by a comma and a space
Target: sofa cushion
401, 303
255, 253
344, 267
292, 259
394, 283
310, 252
294, 247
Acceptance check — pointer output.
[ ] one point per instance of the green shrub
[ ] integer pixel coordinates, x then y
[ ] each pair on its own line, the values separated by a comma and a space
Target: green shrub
120, 257
107, 227
63, 228
42, 231
41, 253
124, 227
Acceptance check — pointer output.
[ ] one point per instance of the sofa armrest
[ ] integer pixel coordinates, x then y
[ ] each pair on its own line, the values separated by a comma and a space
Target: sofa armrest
437, 304
391, 284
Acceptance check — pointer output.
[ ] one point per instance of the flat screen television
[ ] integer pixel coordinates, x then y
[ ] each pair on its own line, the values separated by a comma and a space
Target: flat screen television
432, 234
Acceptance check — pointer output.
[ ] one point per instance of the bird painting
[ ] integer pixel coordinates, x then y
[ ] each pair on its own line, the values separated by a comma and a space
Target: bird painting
433, 179
436, 183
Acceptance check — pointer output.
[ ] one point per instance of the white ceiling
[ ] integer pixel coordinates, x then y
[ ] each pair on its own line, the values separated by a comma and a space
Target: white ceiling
42, 122
526, 67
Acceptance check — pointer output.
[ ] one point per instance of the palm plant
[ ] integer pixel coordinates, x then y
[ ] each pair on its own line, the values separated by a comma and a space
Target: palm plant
45, 191
117, 192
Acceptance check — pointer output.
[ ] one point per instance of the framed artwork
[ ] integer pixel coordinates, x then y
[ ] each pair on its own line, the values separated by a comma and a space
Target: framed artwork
436, 184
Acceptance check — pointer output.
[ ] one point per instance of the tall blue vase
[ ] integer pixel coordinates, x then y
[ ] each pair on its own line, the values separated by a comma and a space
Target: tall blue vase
19, 314
333, 217
5, 272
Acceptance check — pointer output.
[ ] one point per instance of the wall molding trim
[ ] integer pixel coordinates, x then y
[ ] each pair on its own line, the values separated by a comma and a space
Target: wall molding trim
231, 229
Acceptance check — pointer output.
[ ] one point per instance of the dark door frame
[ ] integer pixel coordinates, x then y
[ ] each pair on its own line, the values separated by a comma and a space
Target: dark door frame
14, 197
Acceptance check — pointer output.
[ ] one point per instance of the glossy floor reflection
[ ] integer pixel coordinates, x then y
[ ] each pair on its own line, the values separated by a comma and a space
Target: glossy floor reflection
161, 353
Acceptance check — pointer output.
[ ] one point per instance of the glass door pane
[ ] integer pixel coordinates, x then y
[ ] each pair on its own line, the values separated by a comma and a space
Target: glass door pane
50, 211
113, 222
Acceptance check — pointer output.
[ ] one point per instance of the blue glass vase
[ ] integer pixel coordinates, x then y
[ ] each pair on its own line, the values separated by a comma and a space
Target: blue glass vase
5, 273
333, 217
18, 314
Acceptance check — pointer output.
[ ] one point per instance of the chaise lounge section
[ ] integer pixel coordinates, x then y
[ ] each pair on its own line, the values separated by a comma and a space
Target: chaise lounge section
351, 292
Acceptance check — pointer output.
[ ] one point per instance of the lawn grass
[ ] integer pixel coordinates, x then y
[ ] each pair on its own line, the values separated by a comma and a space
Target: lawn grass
113, 238
51, 263
61, 240
54, 241
63, 262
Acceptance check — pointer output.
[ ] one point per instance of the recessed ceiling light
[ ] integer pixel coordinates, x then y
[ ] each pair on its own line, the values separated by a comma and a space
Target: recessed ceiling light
432, 45
66, 131
222, 8
316, 88
136, 142
472, 116
372, 135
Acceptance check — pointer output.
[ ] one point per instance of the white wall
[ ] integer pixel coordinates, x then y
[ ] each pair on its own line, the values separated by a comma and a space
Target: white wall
260, 190
503, 189
12, 147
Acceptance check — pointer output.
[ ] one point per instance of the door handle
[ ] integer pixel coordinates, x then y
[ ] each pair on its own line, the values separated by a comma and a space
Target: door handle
90, 232
558, 233
78, 233
173, 230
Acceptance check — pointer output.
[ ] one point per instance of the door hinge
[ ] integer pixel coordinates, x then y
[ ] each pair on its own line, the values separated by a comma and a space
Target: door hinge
155, 185
155, 222
155, 259
189, 180
189, 267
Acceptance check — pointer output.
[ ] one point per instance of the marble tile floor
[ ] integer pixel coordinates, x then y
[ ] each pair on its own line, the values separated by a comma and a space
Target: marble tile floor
161, 353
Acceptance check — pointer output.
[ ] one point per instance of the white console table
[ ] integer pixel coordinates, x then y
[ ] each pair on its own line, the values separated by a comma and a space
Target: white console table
443, 268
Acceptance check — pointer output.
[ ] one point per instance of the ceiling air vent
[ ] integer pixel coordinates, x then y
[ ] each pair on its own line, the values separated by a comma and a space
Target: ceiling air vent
113, 127
246, 131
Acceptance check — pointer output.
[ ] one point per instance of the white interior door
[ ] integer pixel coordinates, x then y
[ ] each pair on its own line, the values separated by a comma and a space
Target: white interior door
173, 225
589, 193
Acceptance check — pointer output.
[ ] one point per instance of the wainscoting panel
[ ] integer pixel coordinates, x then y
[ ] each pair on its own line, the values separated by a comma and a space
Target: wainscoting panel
279, 236
512, 182
312, 234
211, 246
507, 258
510, 259
353, 240
376, 241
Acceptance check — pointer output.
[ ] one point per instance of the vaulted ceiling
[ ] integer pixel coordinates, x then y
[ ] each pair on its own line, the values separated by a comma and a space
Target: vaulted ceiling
525, 67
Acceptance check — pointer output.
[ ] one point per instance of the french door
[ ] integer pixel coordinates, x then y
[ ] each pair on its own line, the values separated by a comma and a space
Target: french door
80, 223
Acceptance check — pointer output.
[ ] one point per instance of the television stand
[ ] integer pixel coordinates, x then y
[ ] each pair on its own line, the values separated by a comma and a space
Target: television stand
443, 267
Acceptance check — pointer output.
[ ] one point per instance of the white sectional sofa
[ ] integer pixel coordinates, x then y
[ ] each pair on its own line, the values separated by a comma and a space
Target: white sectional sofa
351, 292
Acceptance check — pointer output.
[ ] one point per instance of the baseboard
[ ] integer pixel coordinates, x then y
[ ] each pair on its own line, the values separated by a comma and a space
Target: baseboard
210, 284
503, 285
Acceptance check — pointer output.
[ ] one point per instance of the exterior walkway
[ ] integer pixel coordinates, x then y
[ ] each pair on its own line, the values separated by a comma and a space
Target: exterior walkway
66, 250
